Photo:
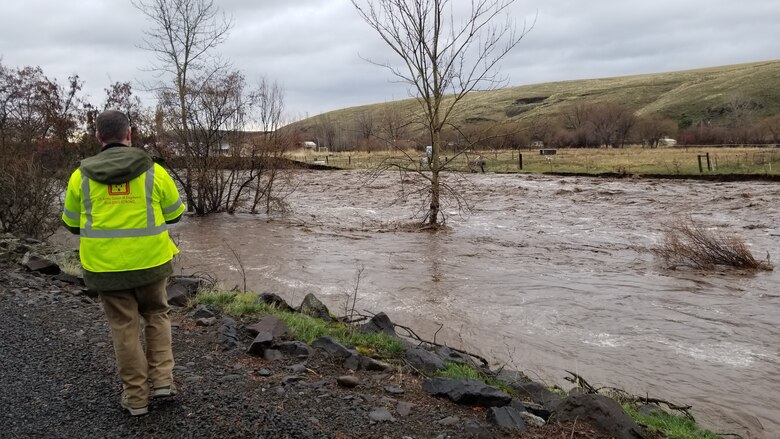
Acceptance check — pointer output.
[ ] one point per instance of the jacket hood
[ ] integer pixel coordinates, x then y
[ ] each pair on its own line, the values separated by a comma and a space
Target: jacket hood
116, 165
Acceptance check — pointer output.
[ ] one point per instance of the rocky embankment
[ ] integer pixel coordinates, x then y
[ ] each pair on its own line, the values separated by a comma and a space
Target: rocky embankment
250, 380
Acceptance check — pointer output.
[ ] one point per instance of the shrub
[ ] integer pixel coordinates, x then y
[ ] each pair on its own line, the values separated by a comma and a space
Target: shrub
689, 244
29, 198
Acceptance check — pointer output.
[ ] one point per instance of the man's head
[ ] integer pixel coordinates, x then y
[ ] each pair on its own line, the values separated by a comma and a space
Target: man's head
112, 126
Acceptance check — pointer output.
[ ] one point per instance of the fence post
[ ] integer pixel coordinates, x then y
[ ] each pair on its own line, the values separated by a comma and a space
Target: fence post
520, 161
326, 159
349, 159
709, 166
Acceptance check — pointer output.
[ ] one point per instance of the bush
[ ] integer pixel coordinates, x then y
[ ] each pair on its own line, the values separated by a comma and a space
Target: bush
690, 245
30, 198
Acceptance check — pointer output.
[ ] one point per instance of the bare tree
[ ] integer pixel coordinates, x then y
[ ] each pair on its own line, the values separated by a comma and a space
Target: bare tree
651, 129
443, 58
182, 38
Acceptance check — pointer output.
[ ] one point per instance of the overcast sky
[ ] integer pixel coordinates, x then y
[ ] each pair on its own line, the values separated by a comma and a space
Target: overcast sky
313, 48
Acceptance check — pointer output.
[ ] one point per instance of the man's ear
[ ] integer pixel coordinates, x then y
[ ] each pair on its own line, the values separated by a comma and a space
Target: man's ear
97, 136
129, 134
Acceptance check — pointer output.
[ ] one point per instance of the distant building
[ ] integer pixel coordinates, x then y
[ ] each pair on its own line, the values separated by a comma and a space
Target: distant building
665, 141
537, 144
309, 145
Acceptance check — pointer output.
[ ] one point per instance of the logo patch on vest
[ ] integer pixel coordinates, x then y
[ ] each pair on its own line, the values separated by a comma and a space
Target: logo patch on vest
119, 189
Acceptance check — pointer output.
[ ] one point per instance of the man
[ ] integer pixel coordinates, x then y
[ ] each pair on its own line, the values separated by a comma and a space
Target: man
119, 202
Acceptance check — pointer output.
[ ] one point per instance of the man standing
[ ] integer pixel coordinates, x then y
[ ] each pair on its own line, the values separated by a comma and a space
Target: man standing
119, 202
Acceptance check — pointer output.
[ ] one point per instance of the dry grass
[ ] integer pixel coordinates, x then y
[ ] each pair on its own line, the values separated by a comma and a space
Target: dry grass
689, 244
633, 160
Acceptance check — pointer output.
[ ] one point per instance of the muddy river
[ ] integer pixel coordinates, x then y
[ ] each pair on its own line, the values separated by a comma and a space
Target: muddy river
544, 274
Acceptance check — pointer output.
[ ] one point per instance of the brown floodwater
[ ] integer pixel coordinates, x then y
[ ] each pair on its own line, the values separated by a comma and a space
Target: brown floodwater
545, 274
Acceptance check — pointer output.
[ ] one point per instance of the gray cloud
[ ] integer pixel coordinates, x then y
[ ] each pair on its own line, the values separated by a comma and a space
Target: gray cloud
314, 47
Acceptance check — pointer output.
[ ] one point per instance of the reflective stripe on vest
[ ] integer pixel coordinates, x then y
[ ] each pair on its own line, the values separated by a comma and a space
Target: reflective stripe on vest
150, 230
71, 214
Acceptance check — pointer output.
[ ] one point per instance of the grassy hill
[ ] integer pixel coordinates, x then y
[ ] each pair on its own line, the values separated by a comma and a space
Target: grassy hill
686, 97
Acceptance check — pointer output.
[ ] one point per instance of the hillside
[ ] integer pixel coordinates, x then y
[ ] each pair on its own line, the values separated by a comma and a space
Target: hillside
686, 97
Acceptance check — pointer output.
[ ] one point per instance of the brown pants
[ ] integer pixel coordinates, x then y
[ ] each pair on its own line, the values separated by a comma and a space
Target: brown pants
136, 368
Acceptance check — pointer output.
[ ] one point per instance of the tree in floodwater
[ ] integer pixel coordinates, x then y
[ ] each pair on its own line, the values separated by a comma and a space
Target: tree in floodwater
444, 56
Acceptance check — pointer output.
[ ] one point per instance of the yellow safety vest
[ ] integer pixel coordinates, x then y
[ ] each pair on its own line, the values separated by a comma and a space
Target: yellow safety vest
122, 226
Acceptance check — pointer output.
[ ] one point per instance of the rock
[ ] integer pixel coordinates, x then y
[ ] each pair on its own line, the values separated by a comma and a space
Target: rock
404, 408
601, 412
380, 323
371, 364
230, 377
423, 360
467, 392
295, 348
332, 347
202, 312
289, 379
537, 393
348, 381
476, 430
273, 325
381, 414
181, 288
263, 372
532, 419
311, 306
228, 337
67, 278
533, 408
262, 341
447, 354
394, 390
448, 421
297, 368
275, 301
353, 362
40, 264
507, 418
210, 321
272, 355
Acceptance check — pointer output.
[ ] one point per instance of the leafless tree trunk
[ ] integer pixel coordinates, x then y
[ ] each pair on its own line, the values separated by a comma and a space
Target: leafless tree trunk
182, 37
443, 58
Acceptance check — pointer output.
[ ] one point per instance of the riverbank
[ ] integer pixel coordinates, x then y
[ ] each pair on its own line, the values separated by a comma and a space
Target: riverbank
66, 373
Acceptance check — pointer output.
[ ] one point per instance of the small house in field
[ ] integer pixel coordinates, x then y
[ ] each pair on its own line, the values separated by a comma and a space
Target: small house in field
309, 145
665, 141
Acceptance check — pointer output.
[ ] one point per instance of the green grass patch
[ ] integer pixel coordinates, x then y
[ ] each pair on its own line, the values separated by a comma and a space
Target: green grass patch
670, 426
302, 327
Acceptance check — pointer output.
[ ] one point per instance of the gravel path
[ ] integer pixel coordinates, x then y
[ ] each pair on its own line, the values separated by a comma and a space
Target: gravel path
58, 379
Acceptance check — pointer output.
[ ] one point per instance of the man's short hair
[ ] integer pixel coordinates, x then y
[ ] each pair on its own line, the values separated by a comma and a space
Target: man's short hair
111, 126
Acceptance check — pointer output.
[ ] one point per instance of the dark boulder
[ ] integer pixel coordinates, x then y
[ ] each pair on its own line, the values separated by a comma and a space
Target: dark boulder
507, 418
181, 288
263, 341
40, 264
601, 412
311, 306
270, 324
295, 348
67, 278
380, 323
467, 392
275, 301
424, 360
536, 392
332, 347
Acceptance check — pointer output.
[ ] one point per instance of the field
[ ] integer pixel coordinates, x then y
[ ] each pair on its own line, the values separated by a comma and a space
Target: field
627, 161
